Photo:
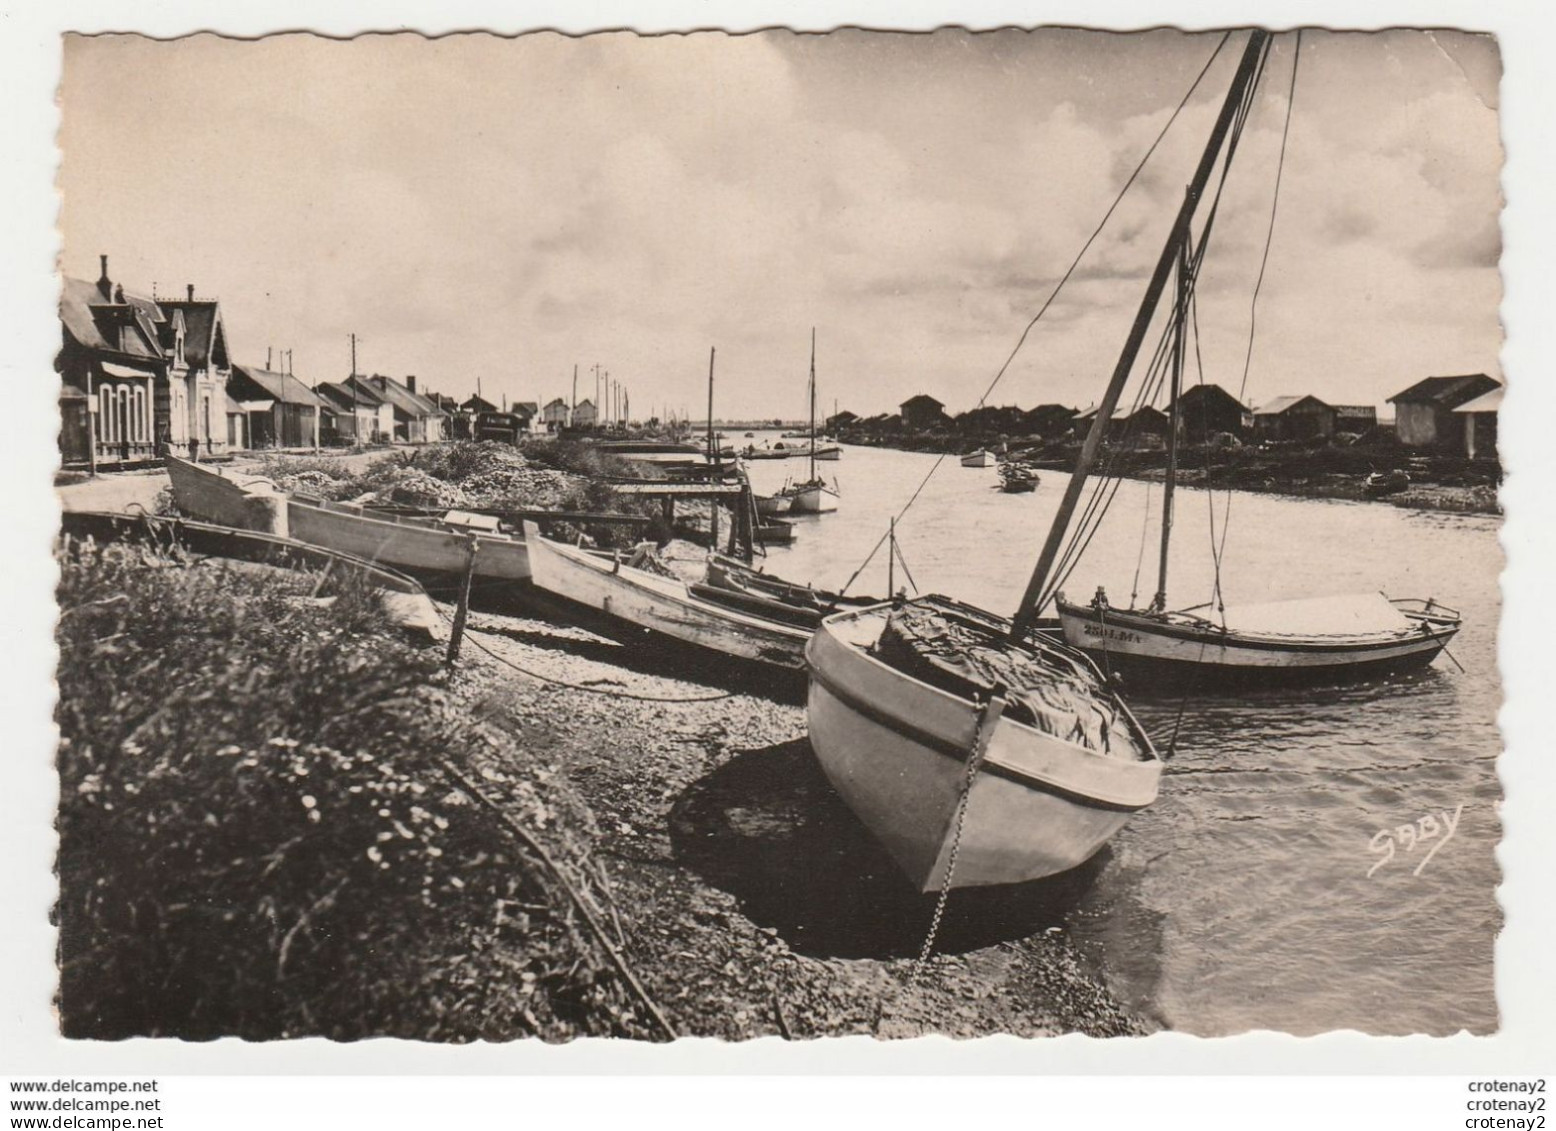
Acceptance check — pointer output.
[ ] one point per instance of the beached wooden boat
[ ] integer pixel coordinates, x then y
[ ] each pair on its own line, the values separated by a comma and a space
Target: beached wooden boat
1310, 640
244, 502
979, 458
650, 606
424, 545
1050, 790
403, 599
977, 749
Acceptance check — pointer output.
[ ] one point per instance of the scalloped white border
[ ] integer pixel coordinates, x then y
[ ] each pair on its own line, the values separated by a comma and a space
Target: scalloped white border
1526, 977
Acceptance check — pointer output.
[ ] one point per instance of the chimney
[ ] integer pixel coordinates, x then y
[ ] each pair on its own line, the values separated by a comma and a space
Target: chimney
103, 285
410, 381
190, 287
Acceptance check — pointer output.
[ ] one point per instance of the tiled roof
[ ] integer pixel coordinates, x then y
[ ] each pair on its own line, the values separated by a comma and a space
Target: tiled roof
127, 329
279, 386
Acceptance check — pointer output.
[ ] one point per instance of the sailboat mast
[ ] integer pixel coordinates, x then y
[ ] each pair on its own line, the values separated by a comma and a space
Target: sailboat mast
713, 448
813, 404
1246, 68
1180, 322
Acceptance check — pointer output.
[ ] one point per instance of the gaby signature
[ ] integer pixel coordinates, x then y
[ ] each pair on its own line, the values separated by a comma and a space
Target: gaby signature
1409, 837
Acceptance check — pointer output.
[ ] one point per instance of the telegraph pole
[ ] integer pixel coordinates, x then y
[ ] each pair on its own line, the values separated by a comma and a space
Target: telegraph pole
356, 408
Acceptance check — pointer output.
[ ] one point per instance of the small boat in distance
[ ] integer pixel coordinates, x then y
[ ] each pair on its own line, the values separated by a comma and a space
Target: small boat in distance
1381, 483
814, 496
980, 458
1017, 478
774, 532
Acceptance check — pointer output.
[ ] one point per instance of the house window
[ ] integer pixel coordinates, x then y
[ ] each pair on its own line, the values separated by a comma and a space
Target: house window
105, 414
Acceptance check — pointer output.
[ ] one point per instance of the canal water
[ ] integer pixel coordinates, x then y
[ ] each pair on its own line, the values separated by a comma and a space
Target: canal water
1298, 872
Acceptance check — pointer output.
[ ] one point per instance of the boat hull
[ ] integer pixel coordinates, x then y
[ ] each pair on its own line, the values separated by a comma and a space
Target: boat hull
240, 502
1150, 655
651, 606
896, 749
813, 500
978, 459
771, 506
424, 548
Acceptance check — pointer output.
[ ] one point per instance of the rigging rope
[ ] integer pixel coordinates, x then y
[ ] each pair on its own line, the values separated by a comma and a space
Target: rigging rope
471, 634
1065, 278
1083, 532
1269, 238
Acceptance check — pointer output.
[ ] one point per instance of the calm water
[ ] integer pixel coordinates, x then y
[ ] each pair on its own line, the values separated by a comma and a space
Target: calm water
1242, 900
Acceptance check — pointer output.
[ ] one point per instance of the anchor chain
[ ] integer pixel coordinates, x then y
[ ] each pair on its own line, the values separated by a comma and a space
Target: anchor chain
986, 718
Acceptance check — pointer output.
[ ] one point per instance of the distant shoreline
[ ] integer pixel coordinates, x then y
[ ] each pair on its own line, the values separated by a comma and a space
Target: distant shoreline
1451, 484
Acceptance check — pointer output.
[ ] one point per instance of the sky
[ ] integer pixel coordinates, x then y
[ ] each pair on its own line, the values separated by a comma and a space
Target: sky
475, 207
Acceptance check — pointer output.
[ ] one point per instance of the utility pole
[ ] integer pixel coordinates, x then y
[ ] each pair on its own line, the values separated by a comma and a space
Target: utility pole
574, 413
356, 407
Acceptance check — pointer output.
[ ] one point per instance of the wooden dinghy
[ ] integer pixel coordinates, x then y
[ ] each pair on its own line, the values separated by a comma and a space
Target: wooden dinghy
894, 723
979, 458
423, 545
774, 532
1310, 640
404, 600
232, 499
652, 606
1017, 478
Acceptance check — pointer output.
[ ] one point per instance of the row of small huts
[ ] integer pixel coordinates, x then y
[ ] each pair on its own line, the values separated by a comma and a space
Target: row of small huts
1456, 414
142, 376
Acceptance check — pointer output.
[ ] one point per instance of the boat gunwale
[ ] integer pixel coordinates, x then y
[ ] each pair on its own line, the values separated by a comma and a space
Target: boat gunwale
1147, 754
427, 525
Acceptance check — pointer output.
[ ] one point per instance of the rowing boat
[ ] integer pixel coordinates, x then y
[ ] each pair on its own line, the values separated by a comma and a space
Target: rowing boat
650, 606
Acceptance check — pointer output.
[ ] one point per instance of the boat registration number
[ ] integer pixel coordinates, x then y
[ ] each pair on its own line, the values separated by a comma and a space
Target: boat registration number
1120, 634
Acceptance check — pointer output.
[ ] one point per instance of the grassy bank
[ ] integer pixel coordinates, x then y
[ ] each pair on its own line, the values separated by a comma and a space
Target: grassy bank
266, 827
